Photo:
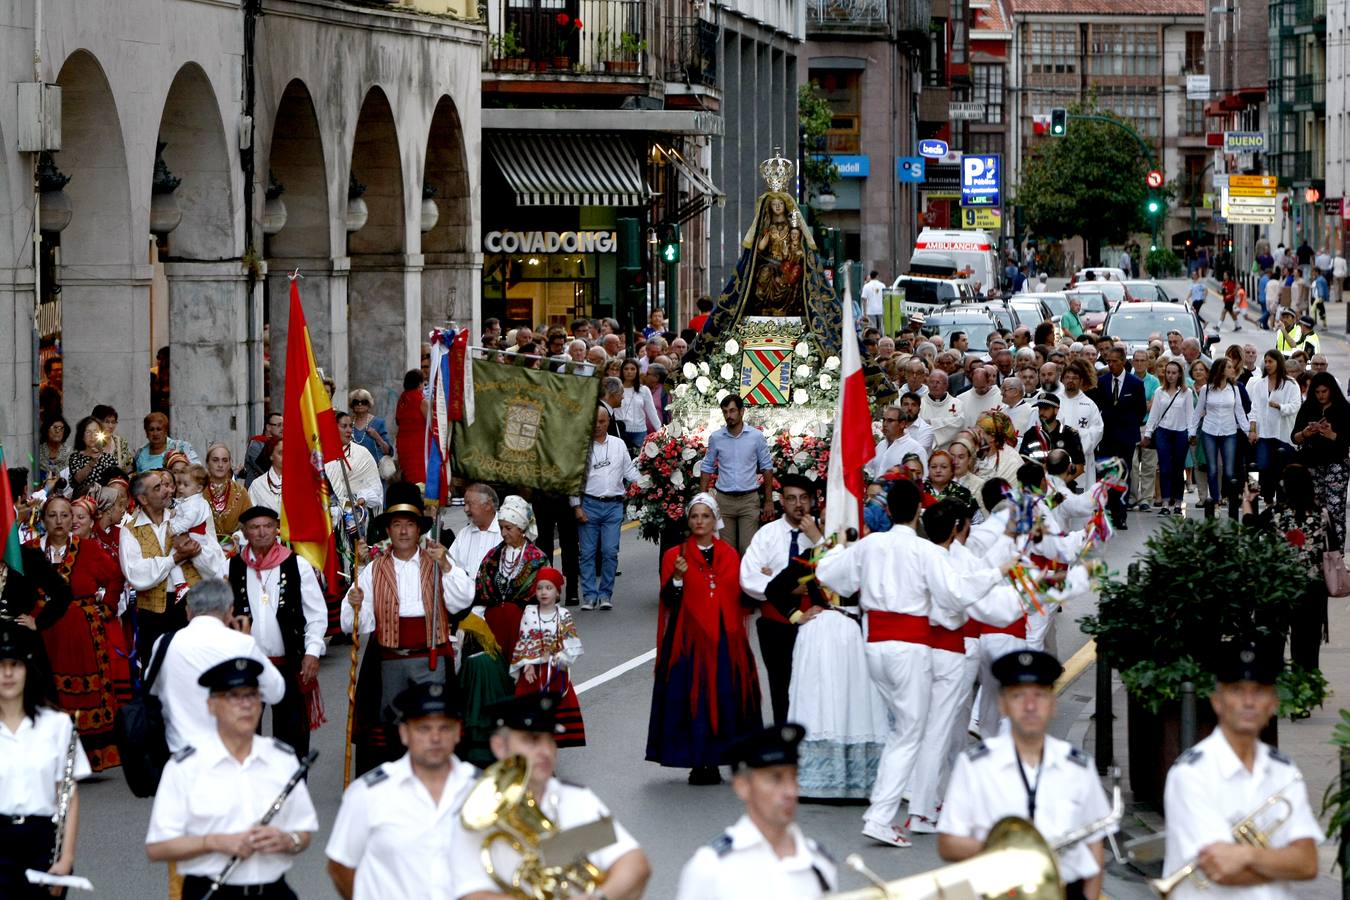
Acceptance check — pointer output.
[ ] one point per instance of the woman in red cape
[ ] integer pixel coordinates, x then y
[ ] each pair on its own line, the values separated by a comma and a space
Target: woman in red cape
84, 646
706, 695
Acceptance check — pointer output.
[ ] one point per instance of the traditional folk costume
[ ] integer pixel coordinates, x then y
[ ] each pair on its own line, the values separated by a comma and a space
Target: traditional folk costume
482, 670
85, 646
226, 504
411, 636
280, 594
705, 697
266, 490
550, 644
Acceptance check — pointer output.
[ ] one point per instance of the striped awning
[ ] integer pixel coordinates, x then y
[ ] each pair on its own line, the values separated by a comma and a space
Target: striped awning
569, 169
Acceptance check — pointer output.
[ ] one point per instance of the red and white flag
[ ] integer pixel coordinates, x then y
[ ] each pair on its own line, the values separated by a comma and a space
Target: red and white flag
851, 445
1040, 123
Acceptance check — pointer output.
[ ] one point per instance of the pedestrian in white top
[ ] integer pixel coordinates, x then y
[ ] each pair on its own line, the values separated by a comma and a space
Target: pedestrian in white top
391, 837
1338, 273
481, 534
207, 640
874, 305
265, 490
941, 410
1080, 412
894, 445
358, 469
1015, 404
1167, 430
1275, 401
599, 512
982, 397
1218, 423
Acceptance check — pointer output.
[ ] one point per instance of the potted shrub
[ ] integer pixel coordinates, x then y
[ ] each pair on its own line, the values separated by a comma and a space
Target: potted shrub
629, 48
1198, 584
507, 51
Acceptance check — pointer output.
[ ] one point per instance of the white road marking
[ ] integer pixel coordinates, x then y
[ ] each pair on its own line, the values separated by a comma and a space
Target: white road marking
616, 671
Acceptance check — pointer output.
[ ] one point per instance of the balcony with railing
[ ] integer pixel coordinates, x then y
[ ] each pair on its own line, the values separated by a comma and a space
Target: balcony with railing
575, 37
1290, 15
691, 51
1310, 91
847, 16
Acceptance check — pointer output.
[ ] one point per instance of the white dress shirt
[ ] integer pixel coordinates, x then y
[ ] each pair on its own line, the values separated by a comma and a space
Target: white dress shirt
473, 543
208, 791
741, 863
891, 455
1219, 413
1209, 789
144, 572
985, 786
1277, 424
265, 490
873, 300
921, 432
362, 472
33, 761
974, 404
943, 417
1171, 412
396, 837
568, 805
1023, 415
610, 466
201, 644
769, 550
265, 629
891, 568
408, 575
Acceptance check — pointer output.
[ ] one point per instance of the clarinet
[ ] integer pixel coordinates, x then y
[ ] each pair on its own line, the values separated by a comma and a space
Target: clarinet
267, 816
65, 792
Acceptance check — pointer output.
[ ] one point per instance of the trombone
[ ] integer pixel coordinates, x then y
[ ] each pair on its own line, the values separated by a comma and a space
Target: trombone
1247, 831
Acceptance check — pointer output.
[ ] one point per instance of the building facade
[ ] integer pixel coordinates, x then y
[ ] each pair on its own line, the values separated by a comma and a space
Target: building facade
866, 59
210, 149
1297, 40
1133, 56
1338, 120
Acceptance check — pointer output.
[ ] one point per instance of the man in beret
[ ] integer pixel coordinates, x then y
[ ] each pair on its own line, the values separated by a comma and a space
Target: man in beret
391, 837
1030, 774
765, 853
527, 726
277, 599
1225, 777
212, 796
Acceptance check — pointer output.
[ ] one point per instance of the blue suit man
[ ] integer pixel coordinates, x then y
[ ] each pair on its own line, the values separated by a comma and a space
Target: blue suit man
1120, 397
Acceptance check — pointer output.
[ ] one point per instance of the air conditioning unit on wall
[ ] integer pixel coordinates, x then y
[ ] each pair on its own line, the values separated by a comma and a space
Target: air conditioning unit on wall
39, 127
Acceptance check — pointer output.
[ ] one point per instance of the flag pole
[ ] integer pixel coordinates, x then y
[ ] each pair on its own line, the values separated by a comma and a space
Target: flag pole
356, 629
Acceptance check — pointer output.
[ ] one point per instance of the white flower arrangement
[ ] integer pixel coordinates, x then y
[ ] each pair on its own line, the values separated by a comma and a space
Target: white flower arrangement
732, 347
688, 453
703, 383
832, 363
726, 371
804, 373
704, 369
803, 349
721, 395
650, 449
682, 389
690, 370
677, 479
800, 396
825, 381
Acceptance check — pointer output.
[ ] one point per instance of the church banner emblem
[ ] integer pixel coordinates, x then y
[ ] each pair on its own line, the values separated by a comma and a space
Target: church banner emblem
766, 374
522, 425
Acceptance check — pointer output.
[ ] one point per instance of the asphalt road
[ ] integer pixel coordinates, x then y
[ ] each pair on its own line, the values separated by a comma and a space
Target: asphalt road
668, 817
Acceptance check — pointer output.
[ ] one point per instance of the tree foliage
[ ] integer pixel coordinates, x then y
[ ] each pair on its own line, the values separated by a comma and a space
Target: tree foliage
815, 117
1089, 183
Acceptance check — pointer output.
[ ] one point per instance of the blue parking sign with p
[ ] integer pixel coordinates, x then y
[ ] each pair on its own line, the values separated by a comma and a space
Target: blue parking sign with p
981, 180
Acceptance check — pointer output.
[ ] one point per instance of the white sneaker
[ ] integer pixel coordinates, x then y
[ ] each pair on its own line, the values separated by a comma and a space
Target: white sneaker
917, 824
890, 835
606, 604
587, 603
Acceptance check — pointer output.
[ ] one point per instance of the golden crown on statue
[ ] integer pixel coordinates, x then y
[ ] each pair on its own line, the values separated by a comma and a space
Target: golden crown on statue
778, 171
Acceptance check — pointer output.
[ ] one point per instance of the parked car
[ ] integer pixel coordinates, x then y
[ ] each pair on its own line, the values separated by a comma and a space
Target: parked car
1149, 291
926, 294
1031, 310
1134, 323
1056, 301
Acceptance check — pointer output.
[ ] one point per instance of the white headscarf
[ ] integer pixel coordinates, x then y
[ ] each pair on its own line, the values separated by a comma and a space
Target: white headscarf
708, 500
515, 511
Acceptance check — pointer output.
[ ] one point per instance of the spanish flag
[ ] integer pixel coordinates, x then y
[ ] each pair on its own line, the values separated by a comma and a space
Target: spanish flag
310, 438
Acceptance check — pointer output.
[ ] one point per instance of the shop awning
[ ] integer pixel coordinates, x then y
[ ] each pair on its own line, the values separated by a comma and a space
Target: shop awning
552, 169
702, 183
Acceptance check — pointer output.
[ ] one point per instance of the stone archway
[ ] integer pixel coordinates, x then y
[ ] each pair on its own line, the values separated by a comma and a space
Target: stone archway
383, 291
296, 160
449, 276
206, 284
105, 284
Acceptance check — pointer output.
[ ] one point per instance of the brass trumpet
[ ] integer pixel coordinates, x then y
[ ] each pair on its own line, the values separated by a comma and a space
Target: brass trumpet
502, 804
1246, 831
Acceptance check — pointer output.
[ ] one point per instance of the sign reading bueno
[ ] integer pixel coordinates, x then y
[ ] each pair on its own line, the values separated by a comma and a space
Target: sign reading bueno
550, 242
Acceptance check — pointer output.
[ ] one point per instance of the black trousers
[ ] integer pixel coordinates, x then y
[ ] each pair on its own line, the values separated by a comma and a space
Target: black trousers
1309, 624
151, 625
195, 887
1115, 500
25, 845
776, 641
553, 511
290, 718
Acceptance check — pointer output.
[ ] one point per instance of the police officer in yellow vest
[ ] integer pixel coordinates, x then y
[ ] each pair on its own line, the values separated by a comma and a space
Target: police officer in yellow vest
158, 565
1296, 335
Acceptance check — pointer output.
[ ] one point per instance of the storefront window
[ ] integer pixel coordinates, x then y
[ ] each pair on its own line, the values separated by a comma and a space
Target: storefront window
540, 289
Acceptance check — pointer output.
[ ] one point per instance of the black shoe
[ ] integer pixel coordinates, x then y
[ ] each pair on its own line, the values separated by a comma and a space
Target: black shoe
702, 776
573, 601
1209, 509
1123, 526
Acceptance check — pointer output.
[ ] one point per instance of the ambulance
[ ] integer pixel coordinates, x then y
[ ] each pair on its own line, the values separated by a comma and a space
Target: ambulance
973, 252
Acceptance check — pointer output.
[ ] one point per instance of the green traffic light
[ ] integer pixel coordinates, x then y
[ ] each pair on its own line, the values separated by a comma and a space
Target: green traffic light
670, 253
1153, 207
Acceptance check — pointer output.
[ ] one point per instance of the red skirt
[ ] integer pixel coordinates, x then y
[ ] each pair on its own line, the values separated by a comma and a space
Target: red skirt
504, 622
569, 710
89, 669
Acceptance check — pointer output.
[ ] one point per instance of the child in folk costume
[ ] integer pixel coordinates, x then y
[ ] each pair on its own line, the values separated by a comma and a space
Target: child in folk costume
547, 648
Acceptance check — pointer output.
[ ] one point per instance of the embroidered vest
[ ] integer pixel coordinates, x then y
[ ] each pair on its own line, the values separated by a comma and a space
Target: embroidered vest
384, 582
290, 606
155, 599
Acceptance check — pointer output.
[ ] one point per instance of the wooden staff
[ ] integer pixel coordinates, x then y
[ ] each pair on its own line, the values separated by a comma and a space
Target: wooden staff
356, 632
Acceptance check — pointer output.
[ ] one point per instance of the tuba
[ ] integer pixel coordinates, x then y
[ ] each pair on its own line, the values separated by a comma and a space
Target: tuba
1015, 864
502, 805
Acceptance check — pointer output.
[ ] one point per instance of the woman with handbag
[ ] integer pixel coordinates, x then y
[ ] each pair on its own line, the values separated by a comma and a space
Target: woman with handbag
1322, 435
1305, 524
1275, 402
1219, 423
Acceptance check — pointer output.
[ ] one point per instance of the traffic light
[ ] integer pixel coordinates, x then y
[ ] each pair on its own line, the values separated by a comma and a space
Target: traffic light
1153, 206
1059, 122
669, 248
632, 290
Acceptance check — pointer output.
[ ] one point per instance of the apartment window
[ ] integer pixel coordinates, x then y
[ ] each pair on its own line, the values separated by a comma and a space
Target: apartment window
1052, 49
935, 74
958, 21
1125, 50
1195, 53
841, 89
1140, 106
988, 89
1195, 118
985, 143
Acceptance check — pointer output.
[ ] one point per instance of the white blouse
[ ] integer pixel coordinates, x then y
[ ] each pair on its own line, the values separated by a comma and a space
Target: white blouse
1277, 424
1220, 412
638, 410
33, 761
1170, 412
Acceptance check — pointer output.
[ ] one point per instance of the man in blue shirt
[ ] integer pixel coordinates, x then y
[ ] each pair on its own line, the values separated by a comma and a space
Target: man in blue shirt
738, 455
1321, 294
1198, 294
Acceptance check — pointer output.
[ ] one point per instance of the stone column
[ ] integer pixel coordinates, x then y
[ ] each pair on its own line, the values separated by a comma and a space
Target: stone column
209, 367
323, 294
385, 306
105, 335
16, 378
451, 284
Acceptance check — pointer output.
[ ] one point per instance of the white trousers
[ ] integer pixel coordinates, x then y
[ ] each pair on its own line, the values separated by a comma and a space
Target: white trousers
1041, 629
949, 693
902, 672
992, 646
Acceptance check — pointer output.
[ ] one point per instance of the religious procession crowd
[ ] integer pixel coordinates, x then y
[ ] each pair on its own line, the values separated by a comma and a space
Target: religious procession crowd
997, 471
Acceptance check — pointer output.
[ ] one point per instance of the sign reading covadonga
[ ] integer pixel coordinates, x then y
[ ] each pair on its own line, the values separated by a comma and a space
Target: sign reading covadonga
550, 242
